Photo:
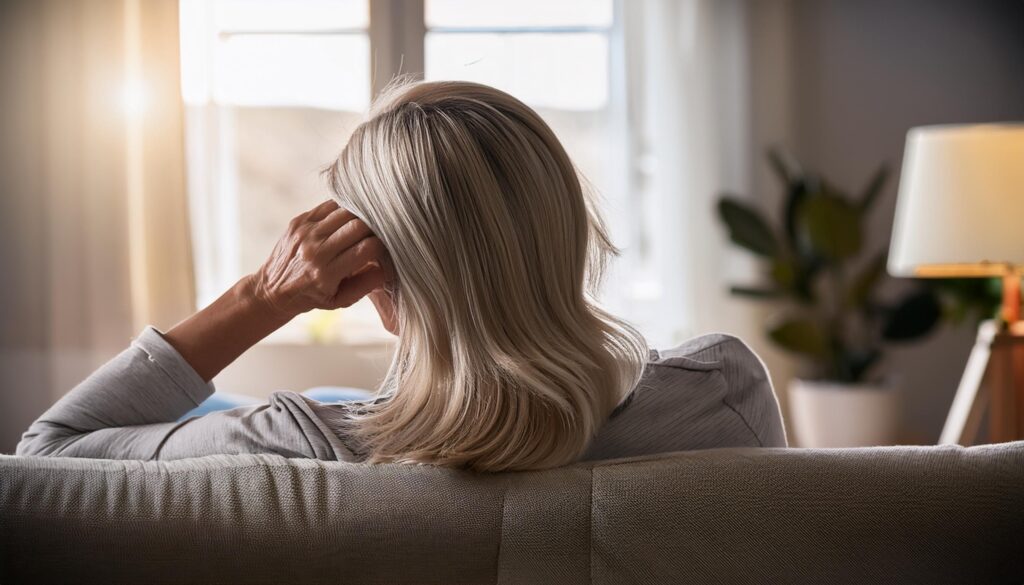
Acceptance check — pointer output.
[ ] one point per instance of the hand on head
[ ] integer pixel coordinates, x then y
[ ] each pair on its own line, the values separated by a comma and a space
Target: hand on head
327, 259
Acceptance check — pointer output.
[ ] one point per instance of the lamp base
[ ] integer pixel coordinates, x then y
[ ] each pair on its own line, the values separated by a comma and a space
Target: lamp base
1011, 297
994, 374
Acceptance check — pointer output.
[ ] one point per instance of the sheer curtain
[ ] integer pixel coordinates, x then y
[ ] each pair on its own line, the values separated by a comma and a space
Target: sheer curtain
94, 234
692, 139
702, 117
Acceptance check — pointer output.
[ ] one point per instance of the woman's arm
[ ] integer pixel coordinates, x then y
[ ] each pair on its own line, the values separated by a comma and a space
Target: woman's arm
127, 408
327, 259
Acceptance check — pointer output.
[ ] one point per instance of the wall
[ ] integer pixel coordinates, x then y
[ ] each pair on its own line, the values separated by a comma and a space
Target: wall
840, 82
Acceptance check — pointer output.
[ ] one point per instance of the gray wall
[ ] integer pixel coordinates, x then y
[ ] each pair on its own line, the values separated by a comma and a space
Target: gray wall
856, 75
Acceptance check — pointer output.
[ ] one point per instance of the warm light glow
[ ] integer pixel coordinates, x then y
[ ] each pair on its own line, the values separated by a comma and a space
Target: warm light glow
980, 269
133, 98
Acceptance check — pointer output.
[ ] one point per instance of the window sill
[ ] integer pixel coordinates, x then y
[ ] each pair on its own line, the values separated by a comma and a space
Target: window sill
274, 365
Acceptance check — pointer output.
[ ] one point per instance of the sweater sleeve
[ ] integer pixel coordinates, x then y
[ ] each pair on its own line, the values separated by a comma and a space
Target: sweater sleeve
129, 409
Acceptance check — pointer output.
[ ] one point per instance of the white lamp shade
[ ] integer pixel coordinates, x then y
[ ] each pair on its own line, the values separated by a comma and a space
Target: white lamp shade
960, 210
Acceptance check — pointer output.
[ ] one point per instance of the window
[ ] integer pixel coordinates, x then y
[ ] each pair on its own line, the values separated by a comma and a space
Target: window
273, 88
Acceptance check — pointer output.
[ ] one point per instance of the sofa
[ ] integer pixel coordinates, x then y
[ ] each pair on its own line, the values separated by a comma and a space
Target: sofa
882, 515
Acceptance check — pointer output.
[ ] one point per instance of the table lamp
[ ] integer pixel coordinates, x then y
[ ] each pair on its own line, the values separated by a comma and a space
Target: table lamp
960, 213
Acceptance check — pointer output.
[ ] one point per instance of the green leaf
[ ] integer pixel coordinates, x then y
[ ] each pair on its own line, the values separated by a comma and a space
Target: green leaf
800, 335
795, 196
783, 165
912, 317
831, 225
993, 286
860, 289
755, 292
955, 313
963, 297
852, 365
794, 276
874, 188
746, 227
783, 272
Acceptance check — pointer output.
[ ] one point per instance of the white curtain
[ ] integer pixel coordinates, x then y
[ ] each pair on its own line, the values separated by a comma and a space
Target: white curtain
702, 118
94, 233
689, 110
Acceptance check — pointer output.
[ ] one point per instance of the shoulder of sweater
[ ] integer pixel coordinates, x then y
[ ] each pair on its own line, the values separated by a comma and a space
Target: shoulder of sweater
712, 351
669, 371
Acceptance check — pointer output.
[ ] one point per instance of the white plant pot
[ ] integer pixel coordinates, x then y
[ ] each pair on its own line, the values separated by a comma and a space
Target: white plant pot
831, 414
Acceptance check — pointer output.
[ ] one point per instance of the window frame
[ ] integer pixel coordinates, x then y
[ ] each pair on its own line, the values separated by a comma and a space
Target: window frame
397, 34
397, 41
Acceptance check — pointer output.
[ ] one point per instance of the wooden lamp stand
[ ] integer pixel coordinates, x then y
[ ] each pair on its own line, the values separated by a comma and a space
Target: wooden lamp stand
994, 376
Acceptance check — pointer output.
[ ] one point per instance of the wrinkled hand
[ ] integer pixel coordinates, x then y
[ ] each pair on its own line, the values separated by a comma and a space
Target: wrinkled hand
327, 259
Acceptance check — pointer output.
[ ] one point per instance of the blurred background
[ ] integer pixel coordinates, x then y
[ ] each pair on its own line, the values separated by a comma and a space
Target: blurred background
153, 150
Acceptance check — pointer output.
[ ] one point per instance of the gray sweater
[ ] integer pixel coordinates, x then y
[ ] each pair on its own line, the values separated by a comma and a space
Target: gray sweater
711, 391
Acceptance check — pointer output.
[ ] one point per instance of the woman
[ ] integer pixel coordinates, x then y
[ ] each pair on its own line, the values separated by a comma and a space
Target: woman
462, 218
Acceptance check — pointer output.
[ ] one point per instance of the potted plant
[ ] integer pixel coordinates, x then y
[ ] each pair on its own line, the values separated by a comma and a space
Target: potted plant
817, 263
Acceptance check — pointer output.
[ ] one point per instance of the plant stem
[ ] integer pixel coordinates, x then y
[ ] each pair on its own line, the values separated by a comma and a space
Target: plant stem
835, 325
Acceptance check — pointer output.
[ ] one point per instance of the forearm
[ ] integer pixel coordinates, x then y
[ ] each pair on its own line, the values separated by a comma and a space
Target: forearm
217, 335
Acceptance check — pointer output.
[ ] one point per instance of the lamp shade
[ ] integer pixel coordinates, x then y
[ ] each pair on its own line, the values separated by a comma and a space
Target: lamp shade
960, 209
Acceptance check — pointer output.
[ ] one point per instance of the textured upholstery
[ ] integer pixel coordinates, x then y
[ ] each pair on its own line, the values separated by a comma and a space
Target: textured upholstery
885, 515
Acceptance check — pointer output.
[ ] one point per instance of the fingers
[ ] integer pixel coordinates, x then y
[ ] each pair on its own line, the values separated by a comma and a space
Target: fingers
331, 222
354, 260
344, 238
336, 232
321, 241
360, 270
321, 211
356, 287
302, 220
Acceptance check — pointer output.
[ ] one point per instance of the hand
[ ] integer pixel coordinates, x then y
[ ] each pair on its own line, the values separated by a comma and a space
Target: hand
327, 259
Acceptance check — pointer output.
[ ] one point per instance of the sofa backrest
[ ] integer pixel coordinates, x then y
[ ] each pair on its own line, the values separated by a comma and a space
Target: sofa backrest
898, 514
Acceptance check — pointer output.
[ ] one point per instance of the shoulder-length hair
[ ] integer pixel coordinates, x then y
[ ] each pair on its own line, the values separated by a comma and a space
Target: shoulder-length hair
504, 360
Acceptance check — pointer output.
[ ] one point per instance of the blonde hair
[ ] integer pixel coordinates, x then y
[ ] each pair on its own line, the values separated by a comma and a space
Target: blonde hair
503, 361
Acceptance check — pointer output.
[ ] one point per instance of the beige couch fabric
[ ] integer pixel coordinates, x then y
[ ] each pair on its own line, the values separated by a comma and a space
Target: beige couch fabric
886, 515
